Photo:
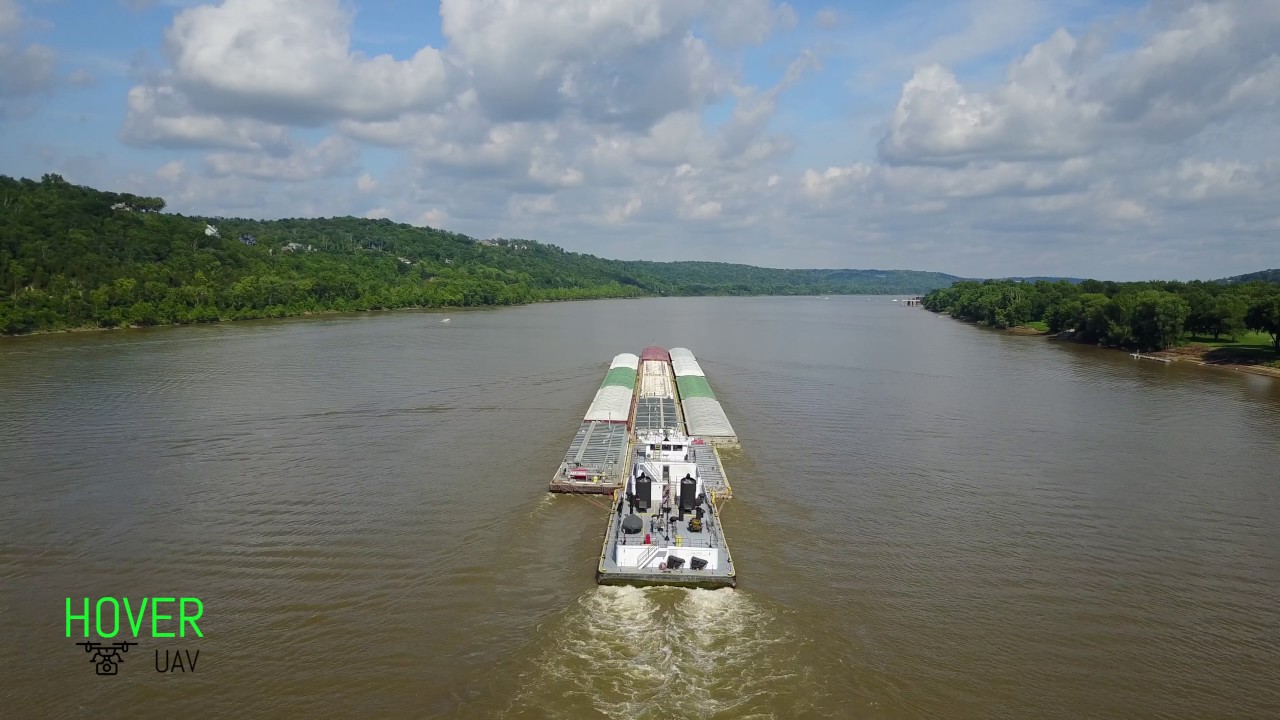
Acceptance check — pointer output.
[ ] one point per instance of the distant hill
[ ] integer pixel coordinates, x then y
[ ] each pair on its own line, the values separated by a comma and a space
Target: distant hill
701, 278
1271, 276
1038, 278
72, 256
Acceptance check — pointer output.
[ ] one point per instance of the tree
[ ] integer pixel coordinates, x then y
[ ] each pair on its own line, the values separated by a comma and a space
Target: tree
1202, 305
1264, 316
1227, 316
1157, 319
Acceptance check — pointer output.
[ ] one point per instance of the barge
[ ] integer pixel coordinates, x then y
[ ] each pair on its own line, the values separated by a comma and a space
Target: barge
664, 522
598, 457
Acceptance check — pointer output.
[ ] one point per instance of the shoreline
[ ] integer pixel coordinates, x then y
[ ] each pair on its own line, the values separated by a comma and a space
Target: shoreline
292, 316
440, 308
1192, 353
224, 322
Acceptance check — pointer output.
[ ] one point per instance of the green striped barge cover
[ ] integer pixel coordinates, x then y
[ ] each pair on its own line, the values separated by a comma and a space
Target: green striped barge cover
692, 386
621, 377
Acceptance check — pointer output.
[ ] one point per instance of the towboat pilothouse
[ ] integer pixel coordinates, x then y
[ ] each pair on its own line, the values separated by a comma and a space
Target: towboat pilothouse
664, 528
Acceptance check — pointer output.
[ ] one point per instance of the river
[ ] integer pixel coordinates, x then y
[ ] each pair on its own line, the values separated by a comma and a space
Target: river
930, 520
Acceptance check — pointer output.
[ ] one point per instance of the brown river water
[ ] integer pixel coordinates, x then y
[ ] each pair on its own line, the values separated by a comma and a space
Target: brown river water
930, 520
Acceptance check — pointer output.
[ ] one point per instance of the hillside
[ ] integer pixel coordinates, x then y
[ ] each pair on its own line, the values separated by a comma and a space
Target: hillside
72, 256
1269, 276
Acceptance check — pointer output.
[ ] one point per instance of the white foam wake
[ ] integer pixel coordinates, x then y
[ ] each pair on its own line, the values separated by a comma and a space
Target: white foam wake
627, 652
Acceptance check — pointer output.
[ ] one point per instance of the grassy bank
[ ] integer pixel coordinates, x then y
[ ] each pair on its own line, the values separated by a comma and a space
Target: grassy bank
1254, 351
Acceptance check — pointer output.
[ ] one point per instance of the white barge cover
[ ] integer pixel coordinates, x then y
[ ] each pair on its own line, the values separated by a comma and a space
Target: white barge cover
626, 360
686, 366
705, 418
703, 415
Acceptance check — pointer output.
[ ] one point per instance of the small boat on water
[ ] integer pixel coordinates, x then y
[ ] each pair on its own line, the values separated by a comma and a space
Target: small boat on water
665, 526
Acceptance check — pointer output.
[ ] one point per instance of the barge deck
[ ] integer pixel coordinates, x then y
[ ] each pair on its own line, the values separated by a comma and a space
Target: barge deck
599, 454
596, 461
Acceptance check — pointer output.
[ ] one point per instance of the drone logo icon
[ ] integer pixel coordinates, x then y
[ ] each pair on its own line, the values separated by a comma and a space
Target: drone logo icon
106, 656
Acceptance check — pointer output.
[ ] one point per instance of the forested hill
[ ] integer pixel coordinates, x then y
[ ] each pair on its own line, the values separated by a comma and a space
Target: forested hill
1269, 276
72, 256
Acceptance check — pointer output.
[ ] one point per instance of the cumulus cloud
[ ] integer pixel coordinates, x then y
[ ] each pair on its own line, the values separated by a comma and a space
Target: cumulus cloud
291, 61
537, 96
161, 115
435, 217
242, 71
1208, 61
595, 123
172, 172
605, 60
333, 156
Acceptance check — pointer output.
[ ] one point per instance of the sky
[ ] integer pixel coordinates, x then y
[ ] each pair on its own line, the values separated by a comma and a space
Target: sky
1113, 139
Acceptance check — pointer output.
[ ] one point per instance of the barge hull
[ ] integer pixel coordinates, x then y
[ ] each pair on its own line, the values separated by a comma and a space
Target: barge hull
688, 580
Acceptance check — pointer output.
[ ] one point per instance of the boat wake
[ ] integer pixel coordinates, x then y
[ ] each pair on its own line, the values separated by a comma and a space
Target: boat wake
625, 652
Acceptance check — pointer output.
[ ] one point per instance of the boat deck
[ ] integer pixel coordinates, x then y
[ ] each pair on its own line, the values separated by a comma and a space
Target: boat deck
670, 539
596, 461
709, 468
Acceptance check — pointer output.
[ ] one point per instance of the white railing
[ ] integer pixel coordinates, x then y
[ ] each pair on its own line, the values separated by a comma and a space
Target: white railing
648, 556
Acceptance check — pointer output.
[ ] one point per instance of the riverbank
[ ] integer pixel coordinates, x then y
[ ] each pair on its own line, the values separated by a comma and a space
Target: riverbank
311, 313
223, 321
1246, 357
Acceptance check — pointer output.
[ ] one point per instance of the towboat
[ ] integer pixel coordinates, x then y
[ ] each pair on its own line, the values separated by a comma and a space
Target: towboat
664, 525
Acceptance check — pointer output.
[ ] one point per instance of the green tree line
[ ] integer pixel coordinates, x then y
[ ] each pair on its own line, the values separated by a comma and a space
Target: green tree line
1136, 315
72, 257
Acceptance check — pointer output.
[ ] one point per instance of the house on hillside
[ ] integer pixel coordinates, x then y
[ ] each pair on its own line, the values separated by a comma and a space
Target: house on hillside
248, 240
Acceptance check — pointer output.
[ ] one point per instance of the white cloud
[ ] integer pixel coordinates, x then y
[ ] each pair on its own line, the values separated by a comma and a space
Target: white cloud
1195, 180
612, 61
334, 155
988, 25
1040, 112
619, 213
703, 211
435, 217
160, 115
1210, 61
1126, 211
524, 206
172, 172
291, 61
597, 123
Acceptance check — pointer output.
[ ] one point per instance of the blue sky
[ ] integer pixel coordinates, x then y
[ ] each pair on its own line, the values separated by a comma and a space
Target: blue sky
1084, 137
